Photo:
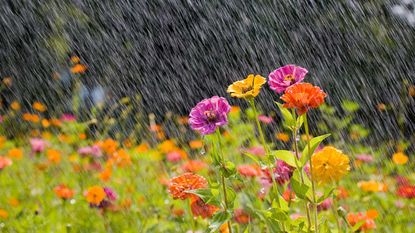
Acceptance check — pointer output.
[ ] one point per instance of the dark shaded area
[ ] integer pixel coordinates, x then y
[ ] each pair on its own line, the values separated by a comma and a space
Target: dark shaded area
174, 53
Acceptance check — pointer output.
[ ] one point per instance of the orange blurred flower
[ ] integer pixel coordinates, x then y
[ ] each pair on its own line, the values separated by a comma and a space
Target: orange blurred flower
45, 123
78, 69
4, 162
249, 170
38, 106
400, 158
179, 185
200, 208
55, 122
106, 174
288, 195
121, 158
15, 105
372, 213
54, 156
411, 91
14, 202
353, 219
194, 166
342, 193
196, 144
109, 146
4, 214
303, 96
142, 148
178, 212
241, 216
282, 137
15, 153
235, 109
381, 107
62, 191
82, 136
95, 195
167, 146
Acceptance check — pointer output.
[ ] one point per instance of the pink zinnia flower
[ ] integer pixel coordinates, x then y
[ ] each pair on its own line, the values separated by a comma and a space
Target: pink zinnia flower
68, 117
174, 157
38, 145
365, 158
4, 162
283, 77
256, 150
209, 114
265, 119
94, 150
326, 204
282, 174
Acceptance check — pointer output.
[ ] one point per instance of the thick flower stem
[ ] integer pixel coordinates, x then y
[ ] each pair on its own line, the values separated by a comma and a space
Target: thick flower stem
300, 169
311, 173
225, 197
267, 152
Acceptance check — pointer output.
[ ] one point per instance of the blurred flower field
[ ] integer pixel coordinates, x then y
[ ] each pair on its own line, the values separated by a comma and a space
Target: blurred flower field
231, 169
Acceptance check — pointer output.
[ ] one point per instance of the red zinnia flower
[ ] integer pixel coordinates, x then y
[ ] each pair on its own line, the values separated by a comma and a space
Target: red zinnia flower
200, 208
249, 170
188, 181
406, 191
303, 96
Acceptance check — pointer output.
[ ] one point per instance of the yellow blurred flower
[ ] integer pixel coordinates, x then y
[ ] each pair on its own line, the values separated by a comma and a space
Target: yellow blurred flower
329, 164
167, 146
247, 88
399, 158
4, 214
282, 137
38, 106
47, 135
372, 186
15, 153
2, 141
15, 105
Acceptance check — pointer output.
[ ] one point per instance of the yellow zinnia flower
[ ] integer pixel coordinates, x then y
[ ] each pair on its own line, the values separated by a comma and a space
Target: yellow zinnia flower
329, 165
247, 88
372, 186
400, 158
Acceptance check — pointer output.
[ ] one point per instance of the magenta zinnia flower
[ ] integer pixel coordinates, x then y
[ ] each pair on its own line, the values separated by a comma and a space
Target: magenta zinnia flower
283, 77
38, 145
209, 114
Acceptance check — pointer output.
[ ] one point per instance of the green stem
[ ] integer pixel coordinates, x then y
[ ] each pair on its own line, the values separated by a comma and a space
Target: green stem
225, 197
311, 173
192, 220
300, 169
267, 151
336, 215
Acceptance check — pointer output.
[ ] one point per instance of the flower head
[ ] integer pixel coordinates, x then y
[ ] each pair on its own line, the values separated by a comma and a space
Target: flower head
303, 97
95, 195
38, 145
400, 158
188, 181
249, 170
369, 223
282, 174
94, 150
200, 208
286, 76
372, 186
194, 166
406, 191
209, 114
329, 165
4, 162
247, 88
62, 191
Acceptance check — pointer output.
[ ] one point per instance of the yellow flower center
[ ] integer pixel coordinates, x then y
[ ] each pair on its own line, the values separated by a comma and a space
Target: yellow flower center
211, 116
290, 78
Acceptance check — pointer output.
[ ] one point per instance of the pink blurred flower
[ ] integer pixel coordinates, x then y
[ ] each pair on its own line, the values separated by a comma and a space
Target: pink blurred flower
38, 145
68, 117
256, 150
282, 174
265, 119
4, 162
325, 205
365, 158
283, 77
94, 150
174, 157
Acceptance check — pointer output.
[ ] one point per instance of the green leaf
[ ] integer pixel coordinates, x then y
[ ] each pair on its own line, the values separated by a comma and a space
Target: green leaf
302, 190
209, 196
314, 143
326, 194
286, 156
230, 195
218, 219
255, 158
350, 106
289, 121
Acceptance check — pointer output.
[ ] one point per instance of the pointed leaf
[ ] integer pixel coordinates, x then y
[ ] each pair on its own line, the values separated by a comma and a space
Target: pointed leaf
314, 143
286, 156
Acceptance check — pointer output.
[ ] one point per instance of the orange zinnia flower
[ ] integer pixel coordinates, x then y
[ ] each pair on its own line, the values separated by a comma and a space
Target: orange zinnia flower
78, 69
15, 105
369, 223
200, 208
16, 153
303, 96
188, 181
62, 191
54, 156
194, 166
95, 195
39, 106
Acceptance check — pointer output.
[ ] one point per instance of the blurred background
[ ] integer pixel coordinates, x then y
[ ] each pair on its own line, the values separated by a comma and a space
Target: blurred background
170, 54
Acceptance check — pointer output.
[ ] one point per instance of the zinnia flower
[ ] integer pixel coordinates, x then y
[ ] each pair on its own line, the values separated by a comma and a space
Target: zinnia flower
400, 158
283, 77
241, 216
353, 219
188, 181
38, 145
62, 191
302, 97
194, 166
282, 174
95, 195
4, 162
249, 170
265, 119
247, 88
406, 191
372, 186
200, 208
94, 150
329, 165
209, 114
